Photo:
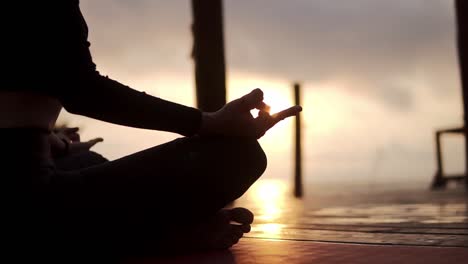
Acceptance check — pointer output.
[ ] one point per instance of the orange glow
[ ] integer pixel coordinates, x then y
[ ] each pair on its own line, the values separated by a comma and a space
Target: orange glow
270, 230
325, 111
277, 99
277, 93
269, 196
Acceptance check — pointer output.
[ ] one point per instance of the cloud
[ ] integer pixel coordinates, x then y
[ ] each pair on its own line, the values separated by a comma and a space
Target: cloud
366, 44
139, 37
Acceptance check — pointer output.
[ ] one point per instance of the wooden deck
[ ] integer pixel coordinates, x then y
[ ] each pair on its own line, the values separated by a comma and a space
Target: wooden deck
259, 251
412, 217
348, 226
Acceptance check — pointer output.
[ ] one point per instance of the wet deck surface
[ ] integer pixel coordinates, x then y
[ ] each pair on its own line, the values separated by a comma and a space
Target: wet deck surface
411, 217
348, 226
259, 251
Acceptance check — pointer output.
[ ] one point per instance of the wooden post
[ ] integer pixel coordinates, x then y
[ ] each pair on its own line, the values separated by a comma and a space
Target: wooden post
439, 181
208, 54
461, 7
298, 189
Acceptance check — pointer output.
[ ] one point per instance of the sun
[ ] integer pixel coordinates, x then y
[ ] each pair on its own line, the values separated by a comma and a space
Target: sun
277, 99
276, 93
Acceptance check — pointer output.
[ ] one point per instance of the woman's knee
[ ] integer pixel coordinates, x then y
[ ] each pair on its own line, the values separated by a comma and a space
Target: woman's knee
229, 165
238, 154
253, 156
248, 162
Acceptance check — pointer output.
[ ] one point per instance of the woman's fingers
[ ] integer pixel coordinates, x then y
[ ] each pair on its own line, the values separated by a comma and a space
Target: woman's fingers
94, 141
265, 121
69, 130
263, 107
252, 100
72, 133
262, 123
292, 111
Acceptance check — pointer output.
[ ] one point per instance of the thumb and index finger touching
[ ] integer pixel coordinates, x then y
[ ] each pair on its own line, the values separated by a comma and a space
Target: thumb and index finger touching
254, 100
265, 121
72, 133
71, 129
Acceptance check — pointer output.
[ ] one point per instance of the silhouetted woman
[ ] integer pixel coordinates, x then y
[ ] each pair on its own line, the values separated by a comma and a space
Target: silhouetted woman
167, 197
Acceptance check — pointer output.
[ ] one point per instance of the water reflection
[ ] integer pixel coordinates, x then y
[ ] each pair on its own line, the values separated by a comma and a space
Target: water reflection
393, 213
409, 217
269, 197
270, 230
272, 202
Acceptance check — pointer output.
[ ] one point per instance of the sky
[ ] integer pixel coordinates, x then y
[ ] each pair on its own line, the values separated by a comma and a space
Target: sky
378, 78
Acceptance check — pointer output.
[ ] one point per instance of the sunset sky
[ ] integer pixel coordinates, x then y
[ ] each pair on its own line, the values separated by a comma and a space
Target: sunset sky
378, 78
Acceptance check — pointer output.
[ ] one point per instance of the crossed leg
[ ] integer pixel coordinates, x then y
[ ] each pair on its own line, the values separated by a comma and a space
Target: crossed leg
177, 189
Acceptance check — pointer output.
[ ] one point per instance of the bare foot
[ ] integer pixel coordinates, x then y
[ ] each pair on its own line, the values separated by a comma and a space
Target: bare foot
226, 228
221, 231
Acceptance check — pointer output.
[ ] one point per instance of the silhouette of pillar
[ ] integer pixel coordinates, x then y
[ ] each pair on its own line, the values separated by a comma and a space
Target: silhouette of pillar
461, 7
298, 147
208, 54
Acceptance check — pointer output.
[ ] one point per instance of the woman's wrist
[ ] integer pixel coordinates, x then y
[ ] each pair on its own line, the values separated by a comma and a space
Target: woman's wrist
66, 147
59, 146
208, 125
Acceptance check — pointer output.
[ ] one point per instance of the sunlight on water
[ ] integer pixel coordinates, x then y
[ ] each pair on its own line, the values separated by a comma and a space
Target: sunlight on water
421, 209
393, 213
268, 195
271, 230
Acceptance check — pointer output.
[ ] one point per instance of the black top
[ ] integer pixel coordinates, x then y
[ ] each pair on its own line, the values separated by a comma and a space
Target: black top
47, 51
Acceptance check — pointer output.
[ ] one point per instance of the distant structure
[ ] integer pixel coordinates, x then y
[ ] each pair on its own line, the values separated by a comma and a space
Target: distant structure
208, 54
298, 186
440, 181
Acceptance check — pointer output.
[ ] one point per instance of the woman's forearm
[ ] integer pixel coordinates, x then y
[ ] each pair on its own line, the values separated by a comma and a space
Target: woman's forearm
105, 99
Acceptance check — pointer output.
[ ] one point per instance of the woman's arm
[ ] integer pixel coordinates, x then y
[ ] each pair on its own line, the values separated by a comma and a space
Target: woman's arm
84, 91
63, 66
102, 98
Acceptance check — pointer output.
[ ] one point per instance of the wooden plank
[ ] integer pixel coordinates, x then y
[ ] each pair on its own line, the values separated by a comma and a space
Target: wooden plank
402, 229
260, 251
382, 238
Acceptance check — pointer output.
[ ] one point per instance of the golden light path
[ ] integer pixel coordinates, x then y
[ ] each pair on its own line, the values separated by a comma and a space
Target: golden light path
268, 198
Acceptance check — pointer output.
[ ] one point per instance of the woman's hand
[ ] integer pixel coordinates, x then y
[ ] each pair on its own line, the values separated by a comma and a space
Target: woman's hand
77, 147
234, 119
66, 141
70, 133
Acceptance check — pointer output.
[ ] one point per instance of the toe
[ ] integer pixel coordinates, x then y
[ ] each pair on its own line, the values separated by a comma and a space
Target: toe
235, 241
245, 228
241, 215
226, 243
236, 231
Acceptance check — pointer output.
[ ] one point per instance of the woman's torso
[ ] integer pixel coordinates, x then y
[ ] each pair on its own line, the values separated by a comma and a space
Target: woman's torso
28, 110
